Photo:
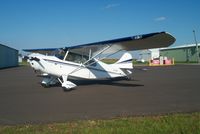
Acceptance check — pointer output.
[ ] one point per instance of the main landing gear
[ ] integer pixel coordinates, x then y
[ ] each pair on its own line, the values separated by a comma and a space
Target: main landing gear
49, 81
66, 85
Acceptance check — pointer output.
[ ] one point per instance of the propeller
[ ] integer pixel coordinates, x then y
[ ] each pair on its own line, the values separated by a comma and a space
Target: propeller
37, 60
34, 58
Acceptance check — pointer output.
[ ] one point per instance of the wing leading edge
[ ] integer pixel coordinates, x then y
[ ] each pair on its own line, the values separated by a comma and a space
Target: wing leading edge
41, 50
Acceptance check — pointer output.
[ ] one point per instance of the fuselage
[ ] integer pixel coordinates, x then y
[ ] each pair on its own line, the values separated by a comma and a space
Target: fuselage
96, 69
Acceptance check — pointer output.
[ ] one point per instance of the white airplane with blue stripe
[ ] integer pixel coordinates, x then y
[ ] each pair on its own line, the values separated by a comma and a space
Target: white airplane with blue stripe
83, 62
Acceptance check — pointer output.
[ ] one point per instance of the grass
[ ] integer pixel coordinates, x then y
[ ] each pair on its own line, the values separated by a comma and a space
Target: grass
187, 63
24, 63
109, 61
166, 124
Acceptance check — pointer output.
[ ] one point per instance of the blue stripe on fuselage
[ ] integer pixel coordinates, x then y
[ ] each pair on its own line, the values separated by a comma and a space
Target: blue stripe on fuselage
89, 67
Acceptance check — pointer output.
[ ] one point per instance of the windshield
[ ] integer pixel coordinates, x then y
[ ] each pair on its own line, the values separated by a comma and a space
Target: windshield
59, 53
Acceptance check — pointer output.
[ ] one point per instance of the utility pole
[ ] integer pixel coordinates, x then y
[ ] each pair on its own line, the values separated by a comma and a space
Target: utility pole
197, 49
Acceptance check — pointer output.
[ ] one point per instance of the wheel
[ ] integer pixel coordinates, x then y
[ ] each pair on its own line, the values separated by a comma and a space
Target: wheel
66, 89
130, 78
45, 85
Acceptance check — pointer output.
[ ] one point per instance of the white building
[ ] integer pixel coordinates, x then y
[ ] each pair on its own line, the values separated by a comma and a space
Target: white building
149, 54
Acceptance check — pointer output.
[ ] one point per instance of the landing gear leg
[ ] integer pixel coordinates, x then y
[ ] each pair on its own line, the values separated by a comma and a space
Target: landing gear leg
66, 85
129, 75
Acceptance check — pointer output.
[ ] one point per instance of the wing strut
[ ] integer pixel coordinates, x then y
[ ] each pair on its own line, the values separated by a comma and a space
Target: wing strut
100, 52
90, 54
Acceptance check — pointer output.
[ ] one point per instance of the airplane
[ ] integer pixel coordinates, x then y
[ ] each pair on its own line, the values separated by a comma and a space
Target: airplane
84, 62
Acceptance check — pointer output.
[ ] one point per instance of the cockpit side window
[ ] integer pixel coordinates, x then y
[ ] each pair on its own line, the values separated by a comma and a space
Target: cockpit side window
78, 58
74, 57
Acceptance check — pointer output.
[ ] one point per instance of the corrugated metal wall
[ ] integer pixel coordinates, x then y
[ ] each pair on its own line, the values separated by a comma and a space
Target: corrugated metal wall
187, 54
8, 57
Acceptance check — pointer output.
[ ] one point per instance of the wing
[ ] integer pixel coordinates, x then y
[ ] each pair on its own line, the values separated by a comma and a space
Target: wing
138, 42
41, 51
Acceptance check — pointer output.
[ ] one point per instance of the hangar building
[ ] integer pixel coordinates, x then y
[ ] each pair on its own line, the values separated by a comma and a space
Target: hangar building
184, 53
8, 56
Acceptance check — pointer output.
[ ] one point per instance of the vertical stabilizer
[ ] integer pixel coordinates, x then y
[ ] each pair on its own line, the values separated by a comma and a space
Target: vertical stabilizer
125, 62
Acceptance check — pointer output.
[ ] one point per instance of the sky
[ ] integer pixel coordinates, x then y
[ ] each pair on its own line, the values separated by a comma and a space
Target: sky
27, 24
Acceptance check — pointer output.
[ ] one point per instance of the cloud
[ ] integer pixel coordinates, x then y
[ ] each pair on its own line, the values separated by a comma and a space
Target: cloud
162, 18
109, 6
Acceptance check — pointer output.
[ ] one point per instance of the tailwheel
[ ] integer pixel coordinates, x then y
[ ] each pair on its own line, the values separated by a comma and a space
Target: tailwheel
129, 78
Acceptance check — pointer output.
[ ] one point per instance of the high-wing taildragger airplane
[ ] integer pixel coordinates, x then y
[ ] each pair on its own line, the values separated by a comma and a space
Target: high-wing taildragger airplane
84, 62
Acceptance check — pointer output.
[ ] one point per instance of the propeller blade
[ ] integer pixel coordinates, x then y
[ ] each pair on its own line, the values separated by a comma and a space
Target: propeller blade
34, 58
